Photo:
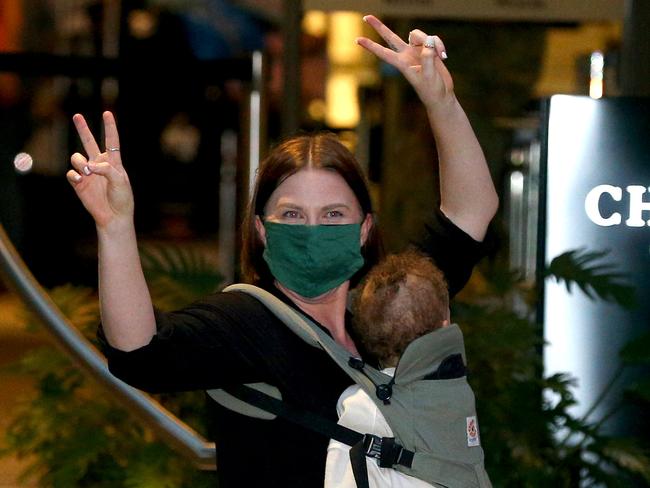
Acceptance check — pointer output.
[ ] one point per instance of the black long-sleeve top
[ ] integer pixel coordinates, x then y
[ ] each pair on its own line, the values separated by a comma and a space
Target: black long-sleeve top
231, 338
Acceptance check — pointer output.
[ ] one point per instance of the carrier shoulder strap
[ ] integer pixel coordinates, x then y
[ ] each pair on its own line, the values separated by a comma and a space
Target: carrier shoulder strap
387, 451
264, 401
314, 335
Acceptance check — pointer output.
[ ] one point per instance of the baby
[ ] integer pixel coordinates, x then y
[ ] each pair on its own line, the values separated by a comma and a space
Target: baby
402, 298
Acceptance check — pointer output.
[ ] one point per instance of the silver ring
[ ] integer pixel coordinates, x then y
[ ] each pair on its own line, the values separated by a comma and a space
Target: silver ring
113, 149
430, 42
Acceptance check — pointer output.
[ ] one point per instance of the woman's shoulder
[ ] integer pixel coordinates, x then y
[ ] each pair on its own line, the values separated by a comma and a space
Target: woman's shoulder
439, 225
240, 303
235, 303
231, 312
233, 317
452, 249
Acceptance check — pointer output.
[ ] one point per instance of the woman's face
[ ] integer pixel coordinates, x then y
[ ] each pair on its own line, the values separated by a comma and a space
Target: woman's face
314, 196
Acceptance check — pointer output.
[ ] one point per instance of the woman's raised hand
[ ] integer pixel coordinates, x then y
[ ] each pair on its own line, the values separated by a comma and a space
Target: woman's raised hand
420, 60
100, 181
103, 187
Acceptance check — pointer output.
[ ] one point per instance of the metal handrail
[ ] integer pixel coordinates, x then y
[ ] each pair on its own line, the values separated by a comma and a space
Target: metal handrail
165, 425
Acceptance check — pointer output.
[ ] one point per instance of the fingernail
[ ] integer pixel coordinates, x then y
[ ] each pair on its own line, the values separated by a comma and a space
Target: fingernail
443, 55
365, 18
77, 177
430, 42
86, 170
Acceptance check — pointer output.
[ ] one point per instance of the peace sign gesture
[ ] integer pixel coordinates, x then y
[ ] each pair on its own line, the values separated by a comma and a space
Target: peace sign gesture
420, 60
100, 181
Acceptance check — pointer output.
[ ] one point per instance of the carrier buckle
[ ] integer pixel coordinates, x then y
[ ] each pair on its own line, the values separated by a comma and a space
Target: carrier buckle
372, 445
386, 451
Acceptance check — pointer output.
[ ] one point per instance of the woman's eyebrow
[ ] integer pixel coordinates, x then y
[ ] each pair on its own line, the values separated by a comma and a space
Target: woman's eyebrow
335, 205
290, 205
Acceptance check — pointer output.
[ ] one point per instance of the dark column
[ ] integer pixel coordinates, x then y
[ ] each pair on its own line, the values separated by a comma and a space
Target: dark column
635, 52
291, 64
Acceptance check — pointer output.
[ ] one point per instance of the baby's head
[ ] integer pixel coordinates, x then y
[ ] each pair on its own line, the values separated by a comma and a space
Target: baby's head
402, 298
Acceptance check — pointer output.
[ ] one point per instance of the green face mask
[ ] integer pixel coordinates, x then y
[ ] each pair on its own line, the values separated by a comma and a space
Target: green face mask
312, 259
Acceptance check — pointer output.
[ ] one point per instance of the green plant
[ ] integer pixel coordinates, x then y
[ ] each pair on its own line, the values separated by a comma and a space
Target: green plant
73, 433
530, 437
582, 268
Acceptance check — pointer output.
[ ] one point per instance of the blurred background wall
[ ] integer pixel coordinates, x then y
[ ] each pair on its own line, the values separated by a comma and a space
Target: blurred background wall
179, 76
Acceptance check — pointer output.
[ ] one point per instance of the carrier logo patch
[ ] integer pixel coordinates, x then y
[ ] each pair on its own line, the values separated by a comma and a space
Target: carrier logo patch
472, 432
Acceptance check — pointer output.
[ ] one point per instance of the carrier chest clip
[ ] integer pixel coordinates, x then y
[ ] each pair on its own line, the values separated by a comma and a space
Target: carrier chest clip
386, 451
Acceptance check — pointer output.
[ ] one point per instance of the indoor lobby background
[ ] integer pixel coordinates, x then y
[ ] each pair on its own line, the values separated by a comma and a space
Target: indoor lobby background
201, 89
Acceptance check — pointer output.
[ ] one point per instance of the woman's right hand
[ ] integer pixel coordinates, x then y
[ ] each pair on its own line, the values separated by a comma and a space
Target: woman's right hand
100, 181
103, 187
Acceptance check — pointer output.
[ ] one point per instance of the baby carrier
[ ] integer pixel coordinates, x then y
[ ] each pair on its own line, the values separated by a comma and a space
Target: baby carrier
433, 420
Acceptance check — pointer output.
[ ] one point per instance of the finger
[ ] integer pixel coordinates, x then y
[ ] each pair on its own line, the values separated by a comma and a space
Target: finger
394, 41
79, 163
416, 37
87, 138
73, 177
428, 69
378, 50
112, 139
107, 170
440, 48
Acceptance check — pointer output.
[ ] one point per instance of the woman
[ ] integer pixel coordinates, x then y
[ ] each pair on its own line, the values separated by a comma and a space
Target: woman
292, 249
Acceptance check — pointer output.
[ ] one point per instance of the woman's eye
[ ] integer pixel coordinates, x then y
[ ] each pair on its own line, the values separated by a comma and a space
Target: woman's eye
333, 214
291, 214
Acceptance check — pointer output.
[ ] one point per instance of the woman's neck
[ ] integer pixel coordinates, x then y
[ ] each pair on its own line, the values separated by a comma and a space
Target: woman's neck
328, 309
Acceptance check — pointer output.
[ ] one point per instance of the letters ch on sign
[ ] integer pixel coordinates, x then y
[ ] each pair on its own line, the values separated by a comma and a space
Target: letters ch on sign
636, 205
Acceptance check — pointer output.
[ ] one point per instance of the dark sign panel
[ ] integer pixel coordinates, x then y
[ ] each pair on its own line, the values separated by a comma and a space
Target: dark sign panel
598, 198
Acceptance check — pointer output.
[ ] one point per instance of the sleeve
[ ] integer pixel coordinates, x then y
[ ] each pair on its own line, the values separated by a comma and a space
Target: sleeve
209, 344
454, 251
338, 470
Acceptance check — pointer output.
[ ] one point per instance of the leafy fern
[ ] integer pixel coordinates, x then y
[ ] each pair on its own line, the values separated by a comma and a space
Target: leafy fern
177, 275
584, 269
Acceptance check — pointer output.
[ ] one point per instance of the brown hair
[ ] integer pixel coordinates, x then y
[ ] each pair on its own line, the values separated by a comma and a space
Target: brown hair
322, 151
402, 298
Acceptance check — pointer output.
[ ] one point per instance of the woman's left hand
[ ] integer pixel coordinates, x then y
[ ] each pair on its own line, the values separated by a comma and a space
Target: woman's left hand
422, 66
463, 169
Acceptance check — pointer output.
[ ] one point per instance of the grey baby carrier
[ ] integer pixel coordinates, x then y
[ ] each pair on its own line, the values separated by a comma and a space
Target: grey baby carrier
433, 420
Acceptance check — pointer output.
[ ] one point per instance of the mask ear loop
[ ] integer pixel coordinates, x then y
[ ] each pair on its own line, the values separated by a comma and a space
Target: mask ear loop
383, 391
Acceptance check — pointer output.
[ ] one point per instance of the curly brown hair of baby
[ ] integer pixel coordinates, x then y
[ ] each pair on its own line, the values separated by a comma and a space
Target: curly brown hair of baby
402, 298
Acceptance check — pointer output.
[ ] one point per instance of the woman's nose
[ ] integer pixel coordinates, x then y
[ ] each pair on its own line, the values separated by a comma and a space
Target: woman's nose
311, 219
